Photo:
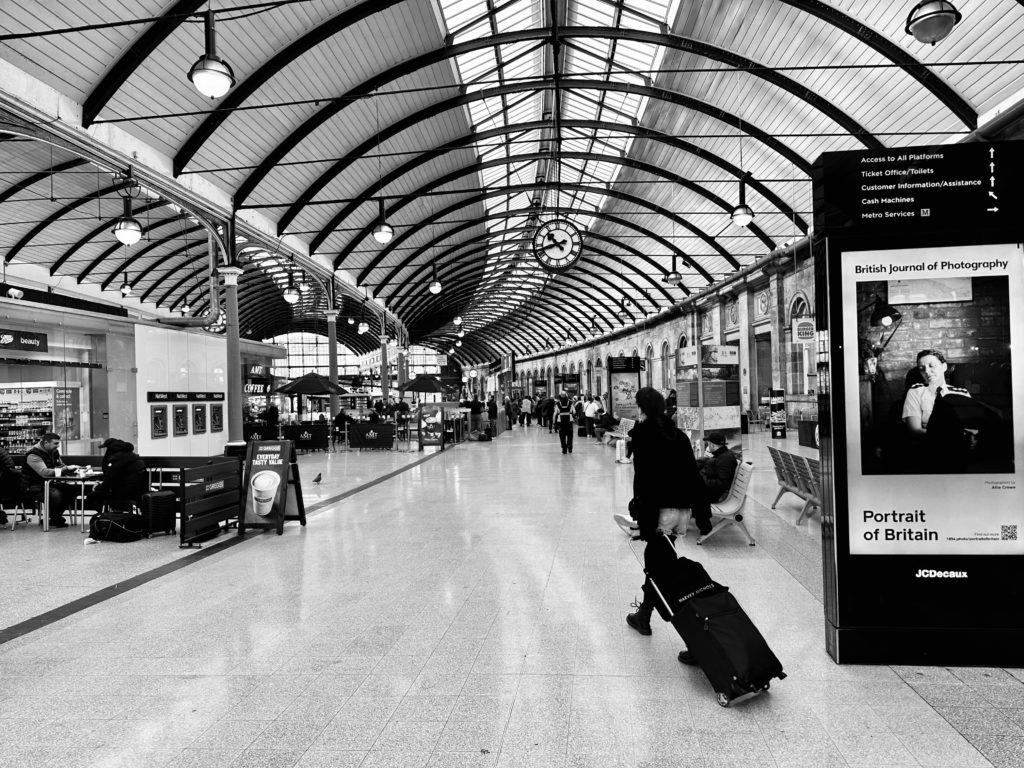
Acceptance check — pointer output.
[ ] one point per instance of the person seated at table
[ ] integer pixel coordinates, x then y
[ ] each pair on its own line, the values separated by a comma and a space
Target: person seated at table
10, 481
41, 464
125, 478
374, 417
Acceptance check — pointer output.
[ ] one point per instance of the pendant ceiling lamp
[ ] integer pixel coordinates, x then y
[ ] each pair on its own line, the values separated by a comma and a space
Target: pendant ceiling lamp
451, 350
126, 289
211, 75
382, 231
127, 228
460, 333
458, 320
363, 326
435, 284
673, 277
932, 20
351, 320
742, 214
291, 293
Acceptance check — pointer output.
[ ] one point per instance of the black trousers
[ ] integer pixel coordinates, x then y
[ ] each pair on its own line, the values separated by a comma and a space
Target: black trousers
565, 435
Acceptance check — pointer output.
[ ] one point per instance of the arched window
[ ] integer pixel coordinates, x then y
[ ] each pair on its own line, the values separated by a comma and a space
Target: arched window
667, 364
682, 341
799, 308
649, 376
590, 377
636, 352
572, 368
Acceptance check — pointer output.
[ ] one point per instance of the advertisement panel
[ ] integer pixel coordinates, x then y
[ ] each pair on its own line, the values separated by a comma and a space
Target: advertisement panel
271, 492
919, 274
777, 413
430, 418
623, 384
954, 443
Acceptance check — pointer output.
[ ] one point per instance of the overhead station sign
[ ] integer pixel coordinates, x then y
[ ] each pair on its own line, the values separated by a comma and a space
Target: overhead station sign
923, 187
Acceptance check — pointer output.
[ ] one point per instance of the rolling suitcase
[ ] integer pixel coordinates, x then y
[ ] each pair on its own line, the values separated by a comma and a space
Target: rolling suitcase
728, 647
159, 512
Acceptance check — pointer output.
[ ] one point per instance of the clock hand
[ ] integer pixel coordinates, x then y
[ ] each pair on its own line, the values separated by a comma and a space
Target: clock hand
559, 244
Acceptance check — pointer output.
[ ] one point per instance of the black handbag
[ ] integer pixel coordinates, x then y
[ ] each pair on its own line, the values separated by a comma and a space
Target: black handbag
115, 526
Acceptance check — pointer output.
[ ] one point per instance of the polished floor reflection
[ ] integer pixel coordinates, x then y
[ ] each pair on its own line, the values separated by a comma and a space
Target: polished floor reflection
469, 611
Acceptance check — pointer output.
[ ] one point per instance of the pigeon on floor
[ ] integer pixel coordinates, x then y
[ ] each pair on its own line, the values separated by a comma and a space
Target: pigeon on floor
316, 480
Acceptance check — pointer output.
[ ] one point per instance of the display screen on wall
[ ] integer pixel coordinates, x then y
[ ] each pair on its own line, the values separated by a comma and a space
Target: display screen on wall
934, 461
158, 421
180, 420
216, 417
198, 419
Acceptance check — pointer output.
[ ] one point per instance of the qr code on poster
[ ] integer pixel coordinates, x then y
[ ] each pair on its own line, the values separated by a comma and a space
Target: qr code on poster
1009, 532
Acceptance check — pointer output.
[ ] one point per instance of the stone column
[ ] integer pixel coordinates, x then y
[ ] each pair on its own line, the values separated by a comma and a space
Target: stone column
332, 355
234, 353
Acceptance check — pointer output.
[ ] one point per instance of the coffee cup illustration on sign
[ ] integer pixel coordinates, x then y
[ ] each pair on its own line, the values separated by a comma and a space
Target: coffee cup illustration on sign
264, 490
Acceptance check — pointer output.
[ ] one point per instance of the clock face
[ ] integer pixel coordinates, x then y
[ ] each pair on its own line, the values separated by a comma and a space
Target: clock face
557, 244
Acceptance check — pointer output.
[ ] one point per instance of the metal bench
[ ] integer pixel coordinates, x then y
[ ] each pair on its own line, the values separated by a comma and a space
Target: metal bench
729, 511
800, 476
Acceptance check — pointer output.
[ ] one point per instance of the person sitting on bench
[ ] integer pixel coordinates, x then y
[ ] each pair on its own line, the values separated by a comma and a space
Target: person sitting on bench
718, 468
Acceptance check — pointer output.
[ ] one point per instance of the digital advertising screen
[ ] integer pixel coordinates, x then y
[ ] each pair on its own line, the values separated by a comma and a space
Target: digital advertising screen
934, 460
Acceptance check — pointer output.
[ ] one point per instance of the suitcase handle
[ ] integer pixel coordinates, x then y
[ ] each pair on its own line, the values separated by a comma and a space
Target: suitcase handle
668, 608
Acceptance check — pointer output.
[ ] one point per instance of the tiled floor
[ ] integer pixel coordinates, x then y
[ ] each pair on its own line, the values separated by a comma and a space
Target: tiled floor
470, 612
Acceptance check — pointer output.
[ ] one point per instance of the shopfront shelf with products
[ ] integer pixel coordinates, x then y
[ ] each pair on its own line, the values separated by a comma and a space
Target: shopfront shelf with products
20, 430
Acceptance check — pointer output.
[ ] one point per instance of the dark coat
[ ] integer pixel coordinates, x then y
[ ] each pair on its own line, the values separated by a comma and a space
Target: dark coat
665, 472
10, 478
124, 473
718, 471
492, 410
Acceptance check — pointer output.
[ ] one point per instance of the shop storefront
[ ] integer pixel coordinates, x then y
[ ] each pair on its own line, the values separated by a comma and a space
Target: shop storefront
66, 372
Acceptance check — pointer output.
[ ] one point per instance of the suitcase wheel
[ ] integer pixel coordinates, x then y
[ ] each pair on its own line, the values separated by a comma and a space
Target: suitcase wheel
723, 699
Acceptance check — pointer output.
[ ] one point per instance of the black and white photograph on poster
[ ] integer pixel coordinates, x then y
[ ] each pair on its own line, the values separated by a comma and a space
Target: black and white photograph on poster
180, 420
935, 394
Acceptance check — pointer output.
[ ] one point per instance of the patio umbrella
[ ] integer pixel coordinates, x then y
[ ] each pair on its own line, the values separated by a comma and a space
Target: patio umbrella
422, 383
311, 384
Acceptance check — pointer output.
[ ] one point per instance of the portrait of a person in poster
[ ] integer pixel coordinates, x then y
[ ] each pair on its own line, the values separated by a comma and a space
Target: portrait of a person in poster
932, 396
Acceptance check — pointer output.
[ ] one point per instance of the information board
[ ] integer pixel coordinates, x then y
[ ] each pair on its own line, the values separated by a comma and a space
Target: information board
919, 274
623, 384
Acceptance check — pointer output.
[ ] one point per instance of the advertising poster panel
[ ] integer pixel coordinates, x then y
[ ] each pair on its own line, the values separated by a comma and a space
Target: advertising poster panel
919, 278
720, 392
777, 413
430, 418
271, 492
623, 384
688, 391
938, 471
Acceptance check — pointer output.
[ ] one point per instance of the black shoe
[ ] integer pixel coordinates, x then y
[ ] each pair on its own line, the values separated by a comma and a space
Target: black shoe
60, 522
563, 453
704, 528
687, 658
639, 622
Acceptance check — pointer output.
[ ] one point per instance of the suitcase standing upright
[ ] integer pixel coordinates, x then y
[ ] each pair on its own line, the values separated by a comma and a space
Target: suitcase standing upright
159, 512
728, 647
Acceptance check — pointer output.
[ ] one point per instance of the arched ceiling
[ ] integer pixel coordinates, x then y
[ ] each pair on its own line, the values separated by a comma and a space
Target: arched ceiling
472, 120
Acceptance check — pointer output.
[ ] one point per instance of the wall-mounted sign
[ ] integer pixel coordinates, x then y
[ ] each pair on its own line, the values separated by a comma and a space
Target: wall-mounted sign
804, 330
23, 341
184, 397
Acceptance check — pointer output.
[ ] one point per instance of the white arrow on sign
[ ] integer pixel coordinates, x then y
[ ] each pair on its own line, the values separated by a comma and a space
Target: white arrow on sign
992, 210
992, 195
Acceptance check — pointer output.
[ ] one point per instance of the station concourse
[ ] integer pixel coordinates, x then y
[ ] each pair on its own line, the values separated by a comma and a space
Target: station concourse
202, 203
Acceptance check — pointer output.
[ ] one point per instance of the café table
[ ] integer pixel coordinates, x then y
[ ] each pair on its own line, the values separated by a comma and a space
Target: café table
84, 479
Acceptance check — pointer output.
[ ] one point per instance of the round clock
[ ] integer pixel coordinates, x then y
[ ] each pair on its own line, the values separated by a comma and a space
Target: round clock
557, 244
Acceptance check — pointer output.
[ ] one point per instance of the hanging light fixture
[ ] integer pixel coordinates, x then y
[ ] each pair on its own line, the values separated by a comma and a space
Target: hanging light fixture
211, 75
458, 320
363, 325
460, 333
382, 231
435, 284
185, 309
451, 350
742, 214
304, 285
351, 320
932, 20
291, 293
673, 277
126, 290
127, 228
458, 342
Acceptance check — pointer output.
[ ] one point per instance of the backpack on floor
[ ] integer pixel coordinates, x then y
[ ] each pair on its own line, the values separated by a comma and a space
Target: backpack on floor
115, 526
